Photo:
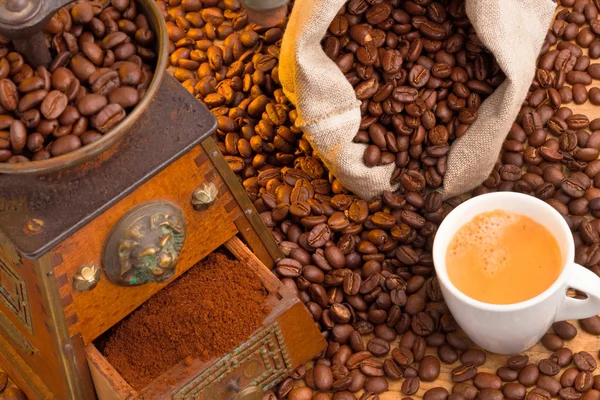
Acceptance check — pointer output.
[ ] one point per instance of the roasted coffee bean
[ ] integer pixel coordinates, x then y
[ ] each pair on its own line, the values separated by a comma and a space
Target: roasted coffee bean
538, 394
484, 380
569, 394
517, 362
410, 386
475, 356
447, 354
514, 391
464, 372
565, 330
378, 347
429, 369
562, 357
529, 375
323, 377
465, 390
583, 382
548, 367
376, 385
403, 356
551, 385
490, 394
507, 374
591, 325
65, 144
584, 361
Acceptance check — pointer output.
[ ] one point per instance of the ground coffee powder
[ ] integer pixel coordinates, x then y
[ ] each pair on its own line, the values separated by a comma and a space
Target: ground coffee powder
206, 313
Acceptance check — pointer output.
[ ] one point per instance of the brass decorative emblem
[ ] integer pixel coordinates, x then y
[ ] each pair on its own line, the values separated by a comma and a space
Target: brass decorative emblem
204, 196
145, 244
261, 362
87, 277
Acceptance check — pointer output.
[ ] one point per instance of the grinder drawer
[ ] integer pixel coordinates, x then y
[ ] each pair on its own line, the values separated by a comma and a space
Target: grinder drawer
288, 338
93, 311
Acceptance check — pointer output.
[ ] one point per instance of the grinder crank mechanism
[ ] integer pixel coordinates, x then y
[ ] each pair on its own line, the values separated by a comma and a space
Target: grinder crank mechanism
23, 21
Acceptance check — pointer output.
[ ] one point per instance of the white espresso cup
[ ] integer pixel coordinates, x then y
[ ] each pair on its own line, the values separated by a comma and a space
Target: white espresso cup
511, 328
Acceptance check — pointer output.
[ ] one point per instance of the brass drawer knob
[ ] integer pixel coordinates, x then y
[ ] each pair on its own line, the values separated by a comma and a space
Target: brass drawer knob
250, 393
87, 277
204, 196
144, 246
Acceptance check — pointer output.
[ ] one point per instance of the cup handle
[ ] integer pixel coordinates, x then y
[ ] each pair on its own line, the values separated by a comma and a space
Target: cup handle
586, 281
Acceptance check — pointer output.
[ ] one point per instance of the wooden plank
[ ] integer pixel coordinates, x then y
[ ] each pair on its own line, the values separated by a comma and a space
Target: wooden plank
109, 384
241, 252
254, 242
22, 374
242, 198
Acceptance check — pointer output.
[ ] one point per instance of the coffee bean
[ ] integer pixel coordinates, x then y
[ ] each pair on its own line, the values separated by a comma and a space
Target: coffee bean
507, 374
529, 375
584, 361
323, 377
429, 369
567, 379
376, 385
300, 393
464, 372
551, 385
436, 393
517, 362
569, 394
403, 356
447, 354
514, 391
490, 394
565, 330
485, 380
591, 325
410, 386
378, 347
475, 356
538, 394
583, 382
562, 357
548, 367
65, 144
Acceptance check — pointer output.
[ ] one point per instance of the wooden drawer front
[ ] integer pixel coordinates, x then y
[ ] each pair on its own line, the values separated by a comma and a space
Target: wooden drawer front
261, 361
94, 311
288, 338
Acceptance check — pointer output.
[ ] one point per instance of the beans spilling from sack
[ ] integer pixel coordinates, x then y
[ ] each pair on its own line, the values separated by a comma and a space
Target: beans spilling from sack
365, 270
420, 72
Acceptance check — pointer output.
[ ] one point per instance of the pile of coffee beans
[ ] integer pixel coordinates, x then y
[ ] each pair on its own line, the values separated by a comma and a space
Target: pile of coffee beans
420, 72
365, 269
103, 63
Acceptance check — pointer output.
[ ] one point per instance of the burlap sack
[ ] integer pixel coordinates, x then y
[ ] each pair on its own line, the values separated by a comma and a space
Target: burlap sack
329, 114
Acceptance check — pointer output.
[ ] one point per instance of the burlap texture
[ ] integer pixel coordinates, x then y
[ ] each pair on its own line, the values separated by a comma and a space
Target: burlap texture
329, 113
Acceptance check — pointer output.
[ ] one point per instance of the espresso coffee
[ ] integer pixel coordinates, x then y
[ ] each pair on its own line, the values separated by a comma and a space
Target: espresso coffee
501, 257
